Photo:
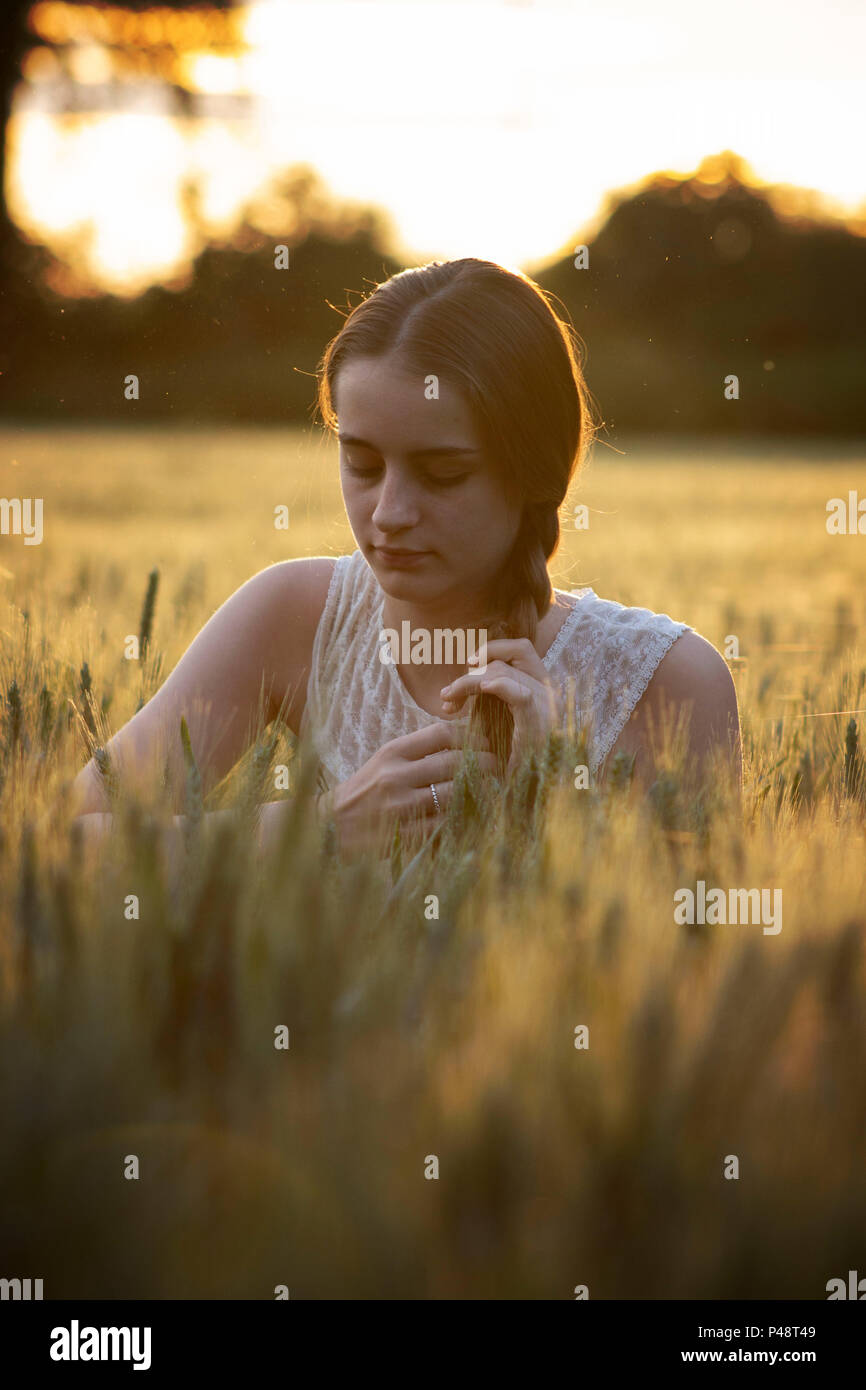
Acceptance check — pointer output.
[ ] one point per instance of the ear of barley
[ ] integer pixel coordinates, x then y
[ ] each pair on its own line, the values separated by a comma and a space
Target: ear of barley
14, 717
194, 807
46, 718
853, 760
148, 609
85, 690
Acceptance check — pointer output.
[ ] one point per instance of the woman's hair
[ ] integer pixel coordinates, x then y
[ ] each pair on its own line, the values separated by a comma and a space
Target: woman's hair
492, 334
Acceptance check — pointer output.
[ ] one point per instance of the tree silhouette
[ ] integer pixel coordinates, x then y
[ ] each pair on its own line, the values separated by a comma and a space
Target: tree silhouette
16, 39
14, 43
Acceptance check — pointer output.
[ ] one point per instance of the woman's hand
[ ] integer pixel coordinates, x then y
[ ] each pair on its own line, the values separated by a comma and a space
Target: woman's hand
518, 676
397, 780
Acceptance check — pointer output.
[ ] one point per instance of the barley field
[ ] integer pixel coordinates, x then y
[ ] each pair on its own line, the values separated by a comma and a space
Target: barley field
552, 1088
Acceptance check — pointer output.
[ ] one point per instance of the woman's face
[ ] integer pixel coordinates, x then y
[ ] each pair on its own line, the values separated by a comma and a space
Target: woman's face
414, 478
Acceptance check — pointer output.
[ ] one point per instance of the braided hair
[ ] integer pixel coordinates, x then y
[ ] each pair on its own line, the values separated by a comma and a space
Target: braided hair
526, 594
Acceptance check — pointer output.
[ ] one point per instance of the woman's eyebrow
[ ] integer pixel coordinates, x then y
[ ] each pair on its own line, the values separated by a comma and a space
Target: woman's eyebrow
440, 451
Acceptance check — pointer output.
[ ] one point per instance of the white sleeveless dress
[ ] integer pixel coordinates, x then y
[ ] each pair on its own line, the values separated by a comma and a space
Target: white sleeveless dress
600, 662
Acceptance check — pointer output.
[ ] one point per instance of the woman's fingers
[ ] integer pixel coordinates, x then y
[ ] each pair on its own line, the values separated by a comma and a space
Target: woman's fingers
433, 738
443, 766
517, 651
459, 690
510, 690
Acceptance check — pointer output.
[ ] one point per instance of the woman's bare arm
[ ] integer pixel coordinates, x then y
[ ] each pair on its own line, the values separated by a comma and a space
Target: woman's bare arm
252, 655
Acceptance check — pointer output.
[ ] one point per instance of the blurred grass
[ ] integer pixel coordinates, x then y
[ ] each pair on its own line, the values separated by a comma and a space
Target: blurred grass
410, 1035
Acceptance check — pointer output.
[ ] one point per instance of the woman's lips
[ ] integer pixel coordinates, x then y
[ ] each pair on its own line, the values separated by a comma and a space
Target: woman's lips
401, 557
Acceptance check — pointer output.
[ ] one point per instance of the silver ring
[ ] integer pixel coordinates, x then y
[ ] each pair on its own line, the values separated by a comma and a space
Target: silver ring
435, 799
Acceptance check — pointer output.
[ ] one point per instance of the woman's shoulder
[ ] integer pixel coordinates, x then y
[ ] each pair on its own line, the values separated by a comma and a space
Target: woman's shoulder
627, 656
330, 602
311, 586
610, 612
301, 587
606, 634
694, 679
693, 670
625, 627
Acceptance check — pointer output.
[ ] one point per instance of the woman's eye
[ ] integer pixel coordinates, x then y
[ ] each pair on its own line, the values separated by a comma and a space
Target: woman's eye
357, 472
449, 480
370, 471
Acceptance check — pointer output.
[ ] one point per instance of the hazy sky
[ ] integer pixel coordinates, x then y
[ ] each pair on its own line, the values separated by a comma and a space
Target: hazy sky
484, 127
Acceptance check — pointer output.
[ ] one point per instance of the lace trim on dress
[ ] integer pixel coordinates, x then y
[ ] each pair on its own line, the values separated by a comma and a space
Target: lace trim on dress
564, 633
642, 675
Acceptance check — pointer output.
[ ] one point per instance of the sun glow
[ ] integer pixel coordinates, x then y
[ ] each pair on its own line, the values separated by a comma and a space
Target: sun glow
138, 135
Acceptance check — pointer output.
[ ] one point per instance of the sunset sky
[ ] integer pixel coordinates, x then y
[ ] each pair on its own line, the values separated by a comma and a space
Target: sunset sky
490, 129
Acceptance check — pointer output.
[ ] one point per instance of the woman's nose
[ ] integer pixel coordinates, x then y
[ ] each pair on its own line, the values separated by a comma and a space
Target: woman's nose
395, 506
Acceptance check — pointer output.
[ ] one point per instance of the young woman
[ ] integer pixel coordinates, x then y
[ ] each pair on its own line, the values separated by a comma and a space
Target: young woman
462, 415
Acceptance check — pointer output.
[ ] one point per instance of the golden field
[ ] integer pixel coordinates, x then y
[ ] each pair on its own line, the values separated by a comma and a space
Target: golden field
558, 1166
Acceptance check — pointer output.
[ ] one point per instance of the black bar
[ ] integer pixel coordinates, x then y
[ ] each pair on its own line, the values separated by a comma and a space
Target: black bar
306, 1339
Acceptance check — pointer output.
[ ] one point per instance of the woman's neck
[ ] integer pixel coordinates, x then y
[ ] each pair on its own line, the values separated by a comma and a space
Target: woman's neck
429, 617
